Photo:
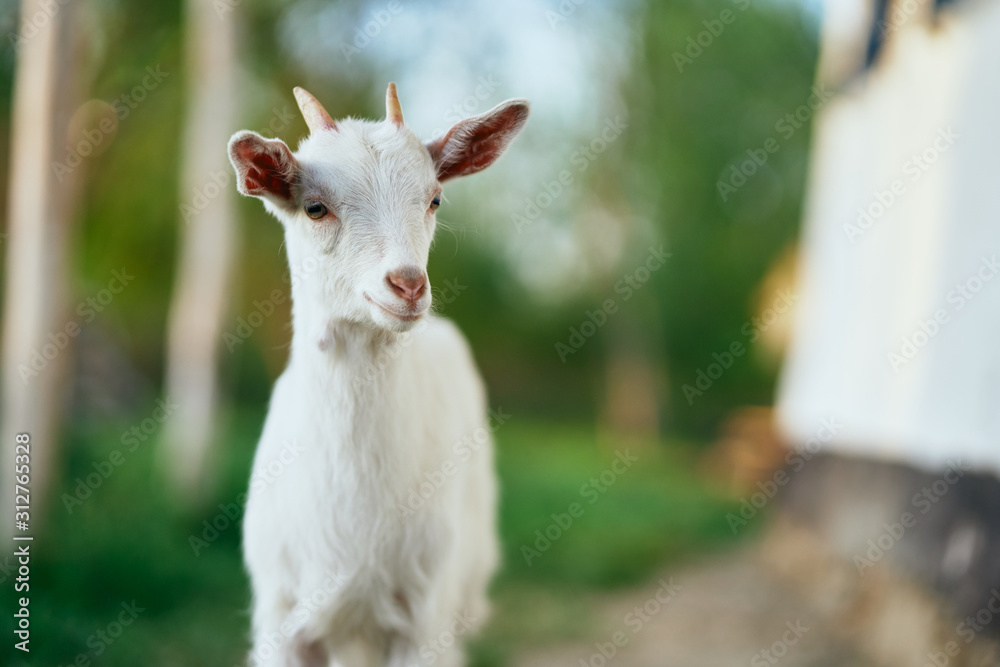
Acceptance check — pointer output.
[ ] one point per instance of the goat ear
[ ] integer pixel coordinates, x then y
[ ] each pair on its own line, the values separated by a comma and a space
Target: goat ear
264, 167
476, 143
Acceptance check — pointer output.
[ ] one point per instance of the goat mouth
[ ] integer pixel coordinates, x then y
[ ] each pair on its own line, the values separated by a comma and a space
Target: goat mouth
405, 317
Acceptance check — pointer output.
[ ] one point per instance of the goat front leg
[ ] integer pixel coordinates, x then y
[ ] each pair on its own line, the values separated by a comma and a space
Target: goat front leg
274, 648
292, 652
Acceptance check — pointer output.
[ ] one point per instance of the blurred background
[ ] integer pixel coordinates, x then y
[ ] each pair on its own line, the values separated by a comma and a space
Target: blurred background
745, 245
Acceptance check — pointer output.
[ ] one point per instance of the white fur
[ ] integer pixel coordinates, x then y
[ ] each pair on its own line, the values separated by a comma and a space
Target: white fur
368, 407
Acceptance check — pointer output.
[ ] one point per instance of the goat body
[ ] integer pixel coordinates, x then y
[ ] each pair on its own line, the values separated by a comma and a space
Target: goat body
375, 407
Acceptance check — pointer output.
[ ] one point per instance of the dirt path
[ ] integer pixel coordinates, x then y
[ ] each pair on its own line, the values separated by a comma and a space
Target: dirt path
727, 611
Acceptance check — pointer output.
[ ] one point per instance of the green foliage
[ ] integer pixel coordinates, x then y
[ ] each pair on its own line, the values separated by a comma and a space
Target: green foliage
689, 128
126, 542
547, 469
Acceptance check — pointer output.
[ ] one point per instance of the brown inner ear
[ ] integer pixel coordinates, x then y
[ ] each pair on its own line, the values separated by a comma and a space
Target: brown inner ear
264, 170
267, 173
482, 144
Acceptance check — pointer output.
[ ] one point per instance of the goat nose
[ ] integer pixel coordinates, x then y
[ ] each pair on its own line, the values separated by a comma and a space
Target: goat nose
408, 283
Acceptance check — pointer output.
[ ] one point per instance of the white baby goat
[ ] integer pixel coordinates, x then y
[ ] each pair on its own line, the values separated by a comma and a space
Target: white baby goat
376, 395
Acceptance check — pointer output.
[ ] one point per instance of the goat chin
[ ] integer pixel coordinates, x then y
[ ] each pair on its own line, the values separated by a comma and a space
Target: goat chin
371, 514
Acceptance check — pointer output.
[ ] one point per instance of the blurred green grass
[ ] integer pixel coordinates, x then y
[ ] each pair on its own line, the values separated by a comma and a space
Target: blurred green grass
126, 542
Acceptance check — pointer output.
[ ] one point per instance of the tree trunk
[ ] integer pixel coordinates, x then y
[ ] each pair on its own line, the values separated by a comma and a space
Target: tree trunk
208, 238
38, 331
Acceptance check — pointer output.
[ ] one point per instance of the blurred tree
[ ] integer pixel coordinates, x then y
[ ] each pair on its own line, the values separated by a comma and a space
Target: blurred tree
38, 333
201, 296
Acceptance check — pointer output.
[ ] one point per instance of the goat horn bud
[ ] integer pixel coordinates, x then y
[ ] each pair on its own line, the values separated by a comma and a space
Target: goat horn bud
393, 111
315, 115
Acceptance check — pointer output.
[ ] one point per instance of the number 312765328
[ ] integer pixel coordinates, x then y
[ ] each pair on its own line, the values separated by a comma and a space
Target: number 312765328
22, 472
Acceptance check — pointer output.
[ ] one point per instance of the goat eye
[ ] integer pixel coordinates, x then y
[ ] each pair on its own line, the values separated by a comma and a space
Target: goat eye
435, 202
315, 210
